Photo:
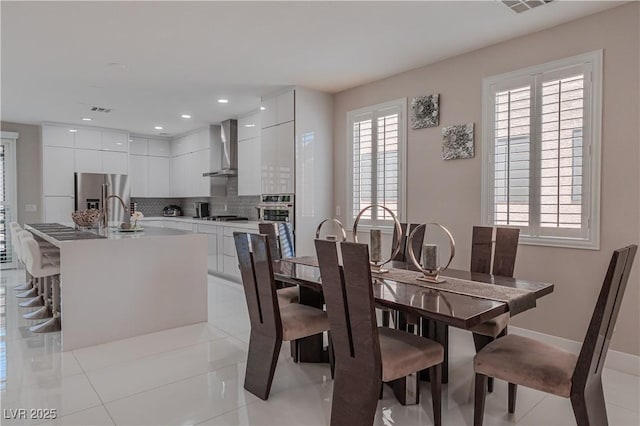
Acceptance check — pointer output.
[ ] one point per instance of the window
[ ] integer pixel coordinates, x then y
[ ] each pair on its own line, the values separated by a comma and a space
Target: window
541, 150
376, 147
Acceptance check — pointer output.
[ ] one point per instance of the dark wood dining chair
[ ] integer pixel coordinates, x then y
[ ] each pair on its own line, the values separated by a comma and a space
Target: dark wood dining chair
503, 253
367, 355
527, 362
270, 322
286, 293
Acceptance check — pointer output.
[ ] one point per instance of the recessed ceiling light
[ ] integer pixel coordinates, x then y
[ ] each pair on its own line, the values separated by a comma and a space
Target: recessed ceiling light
73, 130
130, 140
223, 101
262, 108
249, 125
158, 127
185, 116
86, 119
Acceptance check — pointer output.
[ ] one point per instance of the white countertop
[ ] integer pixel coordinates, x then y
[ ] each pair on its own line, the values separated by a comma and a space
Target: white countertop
148, 232
250, 224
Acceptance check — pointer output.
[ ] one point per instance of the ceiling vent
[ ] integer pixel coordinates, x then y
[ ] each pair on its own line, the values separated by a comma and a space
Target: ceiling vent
100, 109
519, 6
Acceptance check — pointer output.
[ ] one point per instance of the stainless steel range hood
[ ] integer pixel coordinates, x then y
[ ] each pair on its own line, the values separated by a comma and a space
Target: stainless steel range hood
228, 150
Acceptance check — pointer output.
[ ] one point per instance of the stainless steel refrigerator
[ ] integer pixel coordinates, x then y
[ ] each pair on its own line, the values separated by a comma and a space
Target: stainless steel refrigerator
91, 189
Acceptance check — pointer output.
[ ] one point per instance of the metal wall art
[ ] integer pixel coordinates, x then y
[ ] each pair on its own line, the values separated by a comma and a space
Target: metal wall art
457, 142
425, 111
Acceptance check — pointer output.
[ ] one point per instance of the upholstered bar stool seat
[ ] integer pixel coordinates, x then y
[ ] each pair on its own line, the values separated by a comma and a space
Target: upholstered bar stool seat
492, 327
403, 353
287, 295
300, 321
528, 362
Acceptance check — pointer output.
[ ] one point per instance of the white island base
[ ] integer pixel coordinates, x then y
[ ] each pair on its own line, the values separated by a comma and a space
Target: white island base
131, 284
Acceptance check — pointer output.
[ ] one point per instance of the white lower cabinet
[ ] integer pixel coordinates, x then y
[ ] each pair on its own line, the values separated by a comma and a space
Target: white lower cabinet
58, 209
230, 261
212, 236
154, 223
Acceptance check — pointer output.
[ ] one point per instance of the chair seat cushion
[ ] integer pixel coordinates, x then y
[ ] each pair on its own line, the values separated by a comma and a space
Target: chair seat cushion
492, 327
529, 363
300, 321
287, 295
403, 353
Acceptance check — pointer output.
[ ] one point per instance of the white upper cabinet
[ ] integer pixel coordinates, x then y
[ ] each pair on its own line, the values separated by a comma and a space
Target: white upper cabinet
88, 139
159, 176
204, 139
159, 147
57, 171
286, 159
115, 141
139, 146
269, 159
139, 175
88, 161
249, 126
115, 163
285, 107
249, 167
59, 209
269, 114
57, 136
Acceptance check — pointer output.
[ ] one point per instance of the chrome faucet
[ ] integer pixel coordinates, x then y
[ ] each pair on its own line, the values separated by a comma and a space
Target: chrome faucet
105, 209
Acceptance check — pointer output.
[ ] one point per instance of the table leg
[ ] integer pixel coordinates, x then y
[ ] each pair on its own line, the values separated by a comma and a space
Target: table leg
439, 332
311, 349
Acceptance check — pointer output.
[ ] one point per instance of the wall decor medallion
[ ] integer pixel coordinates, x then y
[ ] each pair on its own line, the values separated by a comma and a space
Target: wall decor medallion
457, 142
425, 111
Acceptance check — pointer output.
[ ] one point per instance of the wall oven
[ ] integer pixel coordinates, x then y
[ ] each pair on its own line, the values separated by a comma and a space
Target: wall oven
277, 208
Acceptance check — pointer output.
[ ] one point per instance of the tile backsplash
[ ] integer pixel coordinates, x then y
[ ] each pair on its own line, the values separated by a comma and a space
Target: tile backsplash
232, 203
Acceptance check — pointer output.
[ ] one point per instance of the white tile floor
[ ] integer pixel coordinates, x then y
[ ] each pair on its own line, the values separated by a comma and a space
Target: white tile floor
194, 375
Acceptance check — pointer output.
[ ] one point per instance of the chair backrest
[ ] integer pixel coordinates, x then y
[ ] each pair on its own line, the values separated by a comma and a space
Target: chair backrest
14, 228
256, 269
280, 238
30, 252
504, 252
596, 342
407, 229
348, 295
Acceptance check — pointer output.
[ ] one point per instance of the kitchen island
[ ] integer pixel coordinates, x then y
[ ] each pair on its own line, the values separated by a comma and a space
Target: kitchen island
128, 283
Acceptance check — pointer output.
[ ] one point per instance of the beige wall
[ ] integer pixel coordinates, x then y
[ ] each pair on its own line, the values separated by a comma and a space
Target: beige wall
29, 160
449, 192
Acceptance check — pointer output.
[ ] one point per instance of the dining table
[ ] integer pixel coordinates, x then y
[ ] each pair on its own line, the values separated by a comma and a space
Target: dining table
428, 308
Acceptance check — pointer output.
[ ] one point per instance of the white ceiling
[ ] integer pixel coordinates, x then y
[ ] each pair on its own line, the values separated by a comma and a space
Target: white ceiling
179, 57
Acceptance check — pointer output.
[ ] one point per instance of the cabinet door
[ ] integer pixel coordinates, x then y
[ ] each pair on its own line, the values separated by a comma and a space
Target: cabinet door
204, 139
286, 158
269, 159
269, 113
139, 175
159, 147
115, 162
88, 161
89, 139
192, 142
249, 127
179, 175
57, 170
249, 167
285, 107
159, 176
212, 237
57, 136
58, 209
138, 146
202, 165
115, 141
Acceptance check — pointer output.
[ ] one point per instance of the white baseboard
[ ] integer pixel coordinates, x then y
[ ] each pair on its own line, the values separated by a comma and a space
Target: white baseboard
616, 360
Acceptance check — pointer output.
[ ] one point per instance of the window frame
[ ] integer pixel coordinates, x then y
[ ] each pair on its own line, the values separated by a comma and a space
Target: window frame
591, 140
385, 226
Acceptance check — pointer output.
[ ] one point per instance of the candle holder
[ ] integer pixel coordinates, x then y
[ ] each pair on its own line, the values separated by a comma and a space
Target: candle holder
377, 266
337, 222
430, 275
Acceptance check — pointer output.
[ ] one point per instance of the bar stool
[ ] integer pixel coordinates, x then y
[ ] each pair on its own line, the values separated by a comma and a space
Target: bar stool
43, 269
51, 255
14, 228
